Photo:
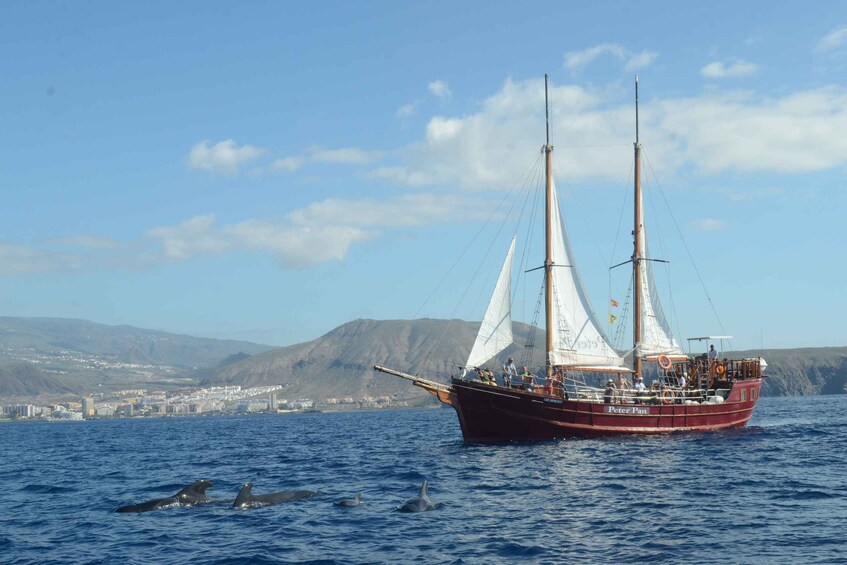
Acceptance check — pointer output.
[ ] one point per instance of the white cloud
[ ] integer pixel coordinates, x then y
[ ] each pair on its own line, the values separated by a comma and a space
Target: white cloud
493, 147
641, 60
289, 164
439, 89
405, 111
320, 233
223, 157
833, 40
575, 60
732, 70
404, 210
798, 132
708, 224
190, 238
294, 246
347, 155
441, 129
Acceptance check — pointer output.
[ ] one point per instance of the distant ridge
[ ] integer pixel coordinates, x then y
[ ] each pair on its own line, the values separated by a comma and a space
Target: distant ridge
24, 379
338, 364
127, 343
58, 356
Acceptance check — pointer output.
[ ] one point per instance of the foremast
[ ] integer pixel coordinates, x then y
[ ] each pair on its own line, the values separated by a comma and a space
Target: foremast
638, 252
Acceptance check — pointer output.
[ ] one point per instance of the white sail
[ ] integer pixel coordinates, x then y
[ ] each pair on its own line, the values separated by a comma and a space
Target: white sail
495, 332
656, 335
578, 340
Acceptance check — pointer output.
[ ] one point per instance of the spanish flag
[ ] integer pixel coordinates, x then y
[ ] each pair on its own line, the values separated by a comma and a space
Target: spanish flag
612, 318
615, 303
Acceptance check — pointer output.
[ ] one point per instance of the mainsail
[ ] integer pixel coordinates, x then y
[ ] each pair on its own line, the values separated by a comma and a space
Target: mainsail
578, 340
495, 332
656, 335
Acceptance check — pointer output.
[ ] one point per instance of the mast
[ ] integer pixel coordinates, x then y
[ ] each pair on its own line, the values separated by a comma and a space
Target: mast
548, 237
637, 254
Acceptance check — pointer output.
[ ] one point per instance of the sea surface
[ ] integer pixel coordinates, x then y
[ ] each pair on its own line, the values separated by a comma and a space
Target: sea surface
774, 492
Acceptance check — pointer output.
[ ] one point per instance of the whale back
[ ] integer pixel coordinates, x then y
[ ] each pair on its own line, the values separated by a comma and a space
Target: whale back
195, 493
420, 503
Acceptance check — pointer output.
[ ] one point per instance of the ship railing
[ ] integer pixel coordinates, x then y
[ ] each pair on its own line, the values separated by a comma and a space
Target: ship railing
663, 395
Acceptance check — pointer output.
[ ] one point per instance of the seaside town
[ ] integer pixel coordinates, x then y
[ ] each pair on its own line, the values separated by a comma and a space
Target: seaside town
218, 400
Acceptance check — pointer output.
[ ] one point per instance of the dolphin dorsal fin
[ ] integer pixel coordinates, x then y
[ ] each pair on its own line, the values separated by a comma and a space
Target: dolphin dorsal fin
243, 494
424, 489
358, 497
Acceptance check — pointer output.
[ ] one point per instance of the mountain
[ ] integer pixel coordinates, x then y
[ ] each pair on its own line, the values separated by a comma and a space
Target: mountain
796, 372
56, 356
76, 355
341, 362
126, 343
25, 379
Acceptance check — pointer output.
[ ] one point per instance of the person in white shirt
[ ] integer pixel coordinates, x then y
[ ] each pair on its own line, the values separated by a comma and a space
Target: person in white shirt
509, 371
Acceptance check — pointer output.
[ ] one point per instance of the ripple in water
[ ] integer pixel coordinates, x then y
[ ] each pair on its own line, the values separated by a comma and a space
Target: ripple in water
772, 492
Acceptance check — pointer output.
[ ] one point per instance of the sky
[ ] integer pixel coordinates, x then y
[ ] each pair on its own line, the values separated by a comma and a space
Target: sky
268, 171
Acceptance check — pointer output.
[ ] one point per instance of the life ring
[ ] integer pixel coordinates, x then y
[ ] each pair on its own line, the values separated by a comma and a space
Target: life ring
720, 368
668, 396
664, 362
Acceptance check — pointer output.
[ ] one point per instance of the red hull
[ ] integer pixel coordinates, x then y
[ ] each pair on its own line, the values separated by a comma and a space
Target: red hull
490, 413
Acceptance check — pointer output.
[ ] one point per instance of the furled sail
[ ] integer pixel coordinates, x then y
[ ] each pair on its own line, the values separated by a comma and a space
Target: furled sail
578, 340
495, 332
656, 335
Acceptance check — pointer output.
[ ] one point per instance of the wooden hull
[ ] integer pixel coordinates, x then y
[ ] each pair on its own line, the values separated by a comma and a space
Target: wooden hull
490, 413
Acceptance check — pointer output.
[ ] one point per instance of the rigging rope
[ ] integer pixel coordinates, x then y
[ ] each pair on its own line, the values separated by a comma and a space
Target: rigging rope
685, 245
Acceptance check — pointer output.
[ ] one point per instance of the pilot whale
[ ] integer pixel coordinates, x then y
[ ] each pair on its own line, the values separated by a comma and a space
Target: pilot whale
420, 503
355, 501
246, 498
193, 494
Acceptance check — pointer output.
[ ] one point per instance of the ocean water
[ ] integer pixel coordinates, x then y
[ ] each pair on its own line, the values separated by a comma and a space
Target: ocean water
774, 492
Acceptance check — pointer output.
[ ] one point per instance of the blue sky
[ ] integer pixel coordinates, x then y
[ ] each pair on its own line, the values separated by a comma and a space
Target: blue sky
271, 170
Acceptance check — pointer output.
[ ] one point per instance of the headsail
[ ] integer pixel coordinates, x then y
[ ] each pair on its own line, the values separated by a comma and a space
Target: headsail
578, 340
495, 332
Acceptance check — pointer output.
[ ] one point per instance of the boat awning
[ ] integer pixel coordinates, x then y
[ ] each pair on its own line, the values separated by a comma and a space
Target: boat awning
600, 369
705, 337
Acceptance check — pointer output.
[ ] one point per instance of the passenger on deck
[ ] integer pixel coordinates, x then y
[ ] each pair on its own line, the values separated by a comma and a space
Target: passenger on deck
713, 355
485, 376
610, 392
528, 379
509, 371
640, 389
558, 381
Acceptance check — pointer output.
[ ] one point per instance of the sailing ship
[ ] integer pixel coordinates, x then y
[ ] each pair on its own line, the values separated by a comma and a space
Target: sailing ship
689, 393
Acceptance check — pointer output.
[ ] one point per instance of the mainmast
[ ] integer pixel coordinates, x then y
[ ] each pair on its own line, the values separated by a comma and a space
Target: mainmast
638, 252
548, 238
